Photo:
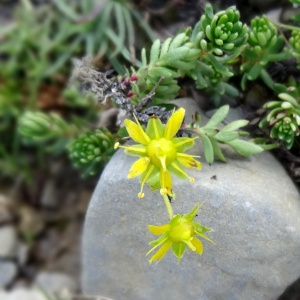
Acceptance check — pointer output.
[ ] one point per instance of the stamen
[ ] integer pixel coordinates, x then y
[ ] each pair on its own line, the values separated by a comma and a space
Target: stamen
144, 181
187, 155
163, 191
140, 150
163, 162
190, 245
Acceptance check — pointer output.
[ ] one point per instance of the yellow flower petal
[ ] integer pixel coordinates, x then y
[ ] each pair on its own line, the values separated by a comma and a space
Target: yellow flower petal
161, 252
174, 123
158, 229
198, 245
188, 161
166, 182
135, 150
136, 132
139, 167
163, 162
155, 128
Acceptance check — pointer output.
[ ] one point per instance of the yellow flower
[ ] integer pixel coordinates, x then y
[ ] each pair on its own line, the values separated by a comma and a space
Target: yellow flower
160, 152
179, 234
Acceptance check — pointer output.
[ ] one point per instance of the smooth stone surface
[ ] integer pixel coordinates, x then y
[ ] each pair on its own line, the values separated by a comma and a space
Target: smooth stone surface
57, 283
252, 206
8, 271
24, 294
8, 241
50, 198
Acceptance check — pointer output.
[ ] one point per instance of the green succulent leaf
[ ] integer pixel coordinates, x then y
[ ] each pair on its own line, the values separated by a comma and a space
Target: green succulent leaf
235, 125
154, 52
226, 136
218, 117
217, 150
91, 150
207, 148
245, 148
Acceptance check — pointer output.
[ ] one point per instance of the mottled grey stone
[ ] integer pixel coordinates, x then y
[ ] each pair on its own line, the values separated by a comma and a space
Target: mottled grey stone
24, 294
56, 283
8, 271
252, 206
8, 241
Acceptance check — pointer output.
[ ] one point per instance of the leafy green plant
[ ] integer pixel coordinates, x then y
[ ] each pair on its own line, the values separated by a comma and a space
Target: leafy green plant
216, 49
91, 150
284, 114
48, 129
213, 52
212, 136
95, 23
45, 52
36, 50
263, 48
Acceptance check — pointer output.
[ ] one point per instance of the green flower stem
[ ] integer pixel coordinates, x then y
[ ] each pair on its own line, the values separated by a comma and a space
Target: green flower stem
168, 206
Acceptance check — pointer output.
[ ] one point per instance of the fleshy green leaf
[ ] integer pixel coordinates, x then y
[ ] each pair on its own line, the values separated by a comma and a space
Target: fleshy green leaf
226, 136
154, 52
161, 71
218, 117
177, 41
217, 150
245, 148
254, 72
235, 125
165, 46
208, 149
174, 55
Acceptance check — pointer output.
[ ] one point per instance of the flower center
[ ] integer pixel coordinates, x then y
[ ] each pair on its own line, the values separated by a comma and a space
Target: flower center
183, 231
161, 152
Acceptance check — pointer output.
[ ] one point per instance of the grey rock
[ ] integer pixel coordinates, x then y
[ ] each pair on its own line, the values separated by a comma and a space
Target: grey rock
31, 221
22, 253
108, 118
274, 14
56, 283
23, 294
252, 206
8, 241
6, 209
49, 197
190, 106
8, 271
